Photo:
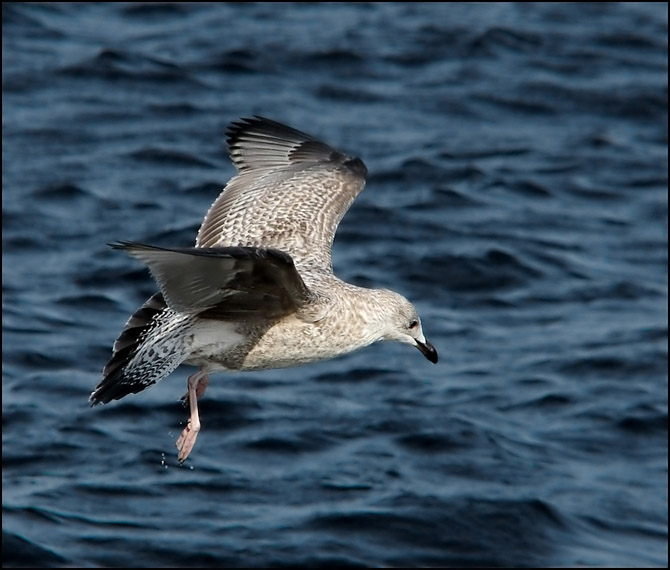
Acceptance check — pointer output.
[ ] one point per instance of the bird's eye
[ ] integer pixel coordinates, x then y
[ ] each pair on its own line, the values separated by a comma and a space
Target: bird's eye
413, 324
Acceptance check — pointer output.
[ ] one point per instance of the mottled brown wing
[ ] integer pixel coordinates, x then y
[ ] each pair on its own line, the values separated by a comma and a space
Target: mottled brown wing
290, 193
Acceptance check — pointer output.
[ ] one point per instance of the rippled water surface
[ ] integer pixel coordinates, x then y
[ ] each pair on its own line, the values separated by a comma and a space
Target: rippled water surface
517, 194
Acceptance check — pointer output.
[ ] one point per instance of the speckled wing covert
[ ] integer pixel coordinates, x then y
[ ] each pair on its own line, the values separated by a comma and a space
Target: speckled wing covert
290, 193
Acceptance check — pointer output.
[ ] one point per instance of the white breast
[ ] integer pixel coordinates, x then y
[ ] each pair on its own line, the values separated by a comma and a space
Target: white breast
211, 340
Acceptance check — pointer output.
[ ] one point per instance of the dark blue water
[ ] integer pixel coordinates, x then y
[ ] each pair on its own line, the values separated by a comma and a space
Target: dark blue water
517, 194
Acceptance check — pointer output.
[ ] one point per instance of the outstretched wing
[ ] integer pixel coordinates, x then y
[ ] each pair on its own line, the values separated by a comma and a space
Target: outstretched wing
290, 193
224, 282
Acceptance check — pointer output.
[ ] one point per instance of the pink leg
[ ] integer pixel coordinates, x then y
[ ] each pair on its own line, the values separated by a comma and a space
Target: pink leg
197, 384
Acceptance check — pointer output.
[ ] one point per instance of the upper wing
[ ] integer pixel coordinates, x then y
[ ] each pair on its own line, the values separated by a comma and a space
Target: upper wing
290, 193
226, 282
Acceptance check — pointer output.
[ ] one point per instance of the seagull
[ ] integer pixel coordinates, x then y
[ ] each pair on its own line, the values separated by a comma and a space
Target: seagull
257, 291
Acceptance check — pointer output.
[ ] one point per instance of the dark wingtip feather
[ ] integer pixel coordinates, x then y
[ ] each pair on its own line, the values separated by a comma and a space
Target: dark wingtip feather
115, 384
258, 125
259, 142
121, 244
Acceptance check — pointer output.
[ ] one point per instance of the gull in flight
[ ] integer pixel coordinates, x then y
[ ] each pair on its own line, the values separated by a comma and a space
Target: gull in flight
257, 291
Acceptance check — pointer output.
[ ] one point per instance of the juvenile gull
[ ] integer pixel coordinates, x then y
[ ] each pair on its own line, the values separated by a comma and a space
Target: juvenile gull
257, 291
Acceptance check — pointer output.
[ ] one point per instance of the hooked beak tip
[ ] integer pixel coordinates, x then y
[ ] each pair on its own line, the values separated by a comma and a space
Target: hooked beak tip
428, 350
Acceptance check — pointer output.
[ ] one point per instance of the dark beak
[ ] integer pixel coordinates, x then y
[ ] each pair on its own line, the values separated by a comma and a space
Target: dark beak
428, 350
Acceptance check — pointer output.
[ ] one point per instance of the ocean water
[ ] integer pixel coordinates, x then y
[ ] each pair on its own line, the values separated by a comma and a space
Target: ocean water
517, 194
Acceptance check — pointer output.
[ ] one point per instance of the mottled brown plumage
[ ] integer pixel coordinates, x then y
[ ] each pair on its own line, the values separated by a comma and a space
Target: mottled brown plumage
258, 290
